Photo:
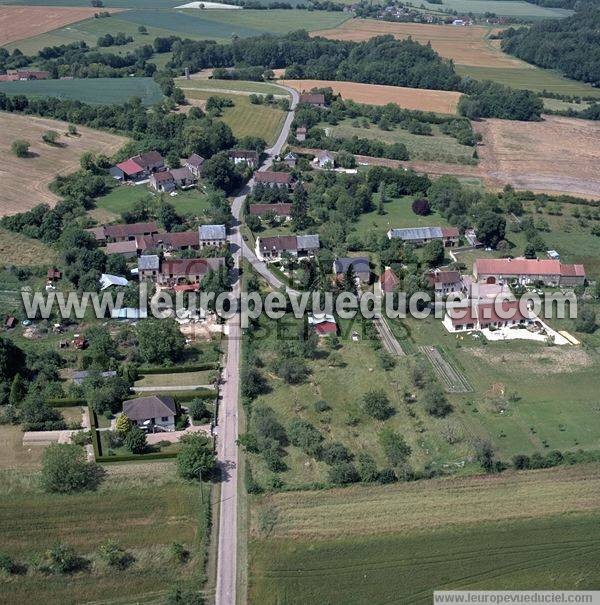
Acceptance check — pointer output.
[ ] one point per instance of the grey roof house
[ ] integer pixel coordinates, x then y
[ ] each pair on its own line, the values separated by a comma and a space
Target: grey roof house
212, 235
360, 264
152, 412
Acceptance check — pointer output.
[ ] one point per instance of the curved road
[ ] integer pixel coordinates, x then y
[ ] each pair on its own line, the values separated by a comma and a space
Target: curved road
227, 452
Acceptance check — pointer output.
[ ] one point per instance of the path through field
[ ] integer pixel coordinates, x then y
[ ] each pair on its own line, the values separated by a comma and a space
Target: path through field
451, 377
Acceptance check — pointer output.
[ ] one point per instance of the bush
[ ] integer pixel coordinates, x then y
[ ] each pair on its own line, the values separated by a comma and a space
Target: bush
387, 475
334, 453
50, 137
377, 405
178, 553
62, 559
182, 596
322, 406
435, 402
343, 473
394, 447
293, 371
367, 469
7, 564
304, 435
20, 148
198, 410
135, 440
421, 206
114, 556
65, 469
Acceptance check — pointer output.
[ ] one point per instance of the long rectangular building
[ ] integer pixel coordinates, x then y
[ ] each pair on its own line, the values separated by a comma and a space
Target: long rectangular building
528, 270
419, 236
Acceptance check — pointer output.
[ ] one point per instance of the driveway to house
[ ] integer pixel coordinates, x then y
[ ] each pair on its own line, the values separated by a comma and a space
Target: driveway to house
175, 436
227, 452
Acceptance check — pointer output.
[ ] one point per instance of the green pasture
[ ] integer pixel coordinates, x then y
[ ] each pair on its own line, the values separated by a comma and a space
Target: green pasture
239, 86
507, 8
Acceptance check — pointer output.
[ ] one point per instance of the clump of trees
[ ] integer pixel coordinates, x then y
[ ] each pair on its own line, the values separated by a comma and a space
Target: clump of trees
66, 470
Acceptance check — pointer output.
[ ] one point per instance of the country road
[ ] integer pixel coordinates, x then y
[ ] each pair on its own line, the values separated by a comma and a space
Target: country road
227, 452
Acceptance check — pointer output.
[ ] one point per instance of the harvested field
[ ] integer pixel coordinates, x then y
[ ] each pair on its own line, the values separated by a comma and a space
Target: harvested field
439, 101
464, 45
18, 22
26, 179
557, 155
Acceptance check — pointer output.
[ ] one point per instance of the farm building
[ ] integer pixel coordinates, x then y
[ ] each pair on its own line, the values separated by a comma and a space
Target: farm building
183, 177
279, 210
419, 236
128, 248
177, 272
274, 179
271, 248
148, 267
152, 413
162, 181
301, 134
178, 240
389, 280
122, 233
244, 156
314, 99
139, 167
360, 265
212, 235
528, 270
15, 75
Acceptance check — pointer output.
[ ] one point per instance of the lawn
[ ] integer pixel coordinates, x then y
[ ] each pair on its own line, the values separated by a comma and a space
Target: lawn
185, 379
246, 119
122, 199
532, 78
437, 147
95, 91
143, 506
398, 214
13, 454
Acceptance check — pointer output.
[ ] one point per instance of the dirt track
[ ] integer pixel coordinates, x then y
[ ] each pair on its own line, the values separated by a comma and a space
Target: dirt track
19, 22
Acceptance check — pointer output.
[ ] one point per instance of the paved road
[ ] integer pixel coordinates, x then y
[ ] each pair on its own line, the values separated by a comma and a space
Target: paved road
227, 452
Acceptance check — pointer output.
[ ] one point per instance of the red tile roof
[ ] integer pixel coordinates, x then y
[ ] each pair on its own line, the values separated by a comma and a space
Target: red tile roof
284, 178
312, 98
191, 266
450, 232
325, 327
389, 280
278, 209
129, 167
526, 266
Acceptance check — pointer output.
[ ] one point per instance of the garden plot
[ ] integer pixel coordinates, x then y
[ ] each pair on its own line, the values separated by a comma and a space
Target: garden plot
452, 378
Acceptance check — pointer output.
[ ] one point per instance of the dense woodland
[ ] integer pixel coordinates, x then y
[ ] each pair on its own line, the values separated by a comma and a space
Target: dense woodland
571, 45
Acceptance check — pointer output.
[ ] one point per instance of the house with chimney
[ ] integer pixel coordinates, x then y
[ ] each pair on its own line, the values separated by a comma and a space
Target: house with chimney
186, 271
184, 178
272, 248
528, 271
162, 182
419, 236
444, 282
477, 315
153, 413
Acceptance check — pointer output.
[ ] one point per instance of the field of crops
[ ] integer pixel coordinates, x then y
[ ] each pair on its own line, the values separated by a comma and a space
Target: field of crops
95, 91
142, 506
364, 543
530, 78
508, 8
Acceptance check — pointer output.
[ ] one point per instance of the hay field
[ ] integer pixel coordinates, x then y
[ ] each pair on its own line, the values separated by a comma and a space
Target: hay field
559, 154
372, 509
26, 180
464, 45
18, 22
439, 101
396, 544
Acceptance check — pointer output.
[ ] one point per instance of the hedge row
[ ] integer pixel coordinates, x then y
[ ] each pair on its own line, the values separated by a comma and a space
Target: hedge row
133, 457
208, 365
179, 395
65, 402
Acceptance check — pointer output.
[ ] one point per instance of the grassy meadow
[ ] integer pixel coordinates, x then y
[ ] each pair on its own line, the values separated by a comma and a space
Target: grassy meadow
22, 251
246, 119
239, 86
95, 91
143, 506
508, 8
436, 147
